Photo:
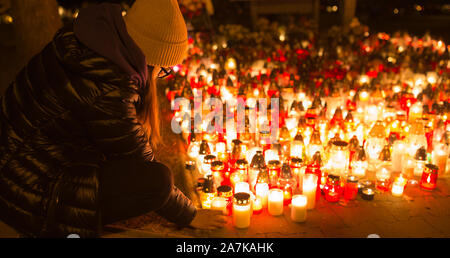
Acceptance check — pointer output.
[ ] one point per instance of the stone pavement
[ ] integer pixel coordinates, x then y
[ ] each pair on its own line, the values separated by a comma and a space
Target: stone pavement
417, 214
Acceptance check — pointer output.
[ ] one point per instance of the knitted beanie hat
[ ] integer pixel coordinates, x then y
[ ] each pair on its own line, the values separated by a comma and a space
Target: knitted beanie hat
158, 28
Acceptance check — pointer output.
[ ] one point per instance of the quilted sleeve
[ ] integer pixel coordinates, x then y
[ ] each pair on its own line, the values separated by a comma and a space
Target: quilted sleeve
111, 123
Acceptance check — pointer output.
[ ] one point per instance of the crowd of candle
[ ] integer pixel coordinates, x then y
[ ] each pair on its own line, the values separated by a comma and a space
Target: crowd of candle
359, 114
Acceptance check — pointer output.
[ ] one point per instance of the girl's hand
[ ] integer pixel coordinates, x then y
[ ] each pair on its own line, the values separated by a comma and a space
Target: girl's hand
208, 219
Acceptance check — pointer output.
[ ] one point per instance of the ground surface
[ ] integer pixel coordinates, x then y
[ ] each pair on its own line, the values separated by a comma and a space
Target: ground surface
416, 214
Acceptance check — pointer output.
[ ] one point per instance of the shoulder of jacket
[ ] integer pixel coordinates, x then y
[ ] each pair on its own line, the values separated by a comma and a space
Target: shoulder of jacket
84, 62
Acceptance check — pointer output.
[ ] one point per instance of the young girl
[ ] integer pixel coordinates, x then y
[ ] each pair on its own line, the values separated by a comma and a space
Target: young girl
79, 122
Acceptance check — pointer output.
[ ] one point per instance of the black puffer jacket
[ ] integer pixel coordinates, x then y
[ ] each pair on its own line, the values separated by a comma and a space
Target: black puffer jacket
68, 112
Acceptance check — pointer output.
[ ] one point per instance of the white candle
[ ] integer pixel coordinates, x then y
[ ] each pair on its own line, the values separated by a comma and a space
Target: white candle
397, 189
219, 203
271, 155
242, 187
309, 189
298, 208
397, 153
241, 215
300, 172
275, 202
440, 159
296, 149
262, 192
359, 168
418, 169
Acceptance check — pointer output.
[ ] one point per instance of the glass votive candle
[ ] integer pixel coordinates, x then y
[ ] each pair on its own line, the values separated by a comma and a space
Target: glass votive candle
383, 179
296, 166
408, 166
206, 165
368, 193
429, 177
242, 187
257, 205
236, 177
219, 203
339, 157
397, 188
309, 189
218, 169
351, 188
299, 208
274, 167
439, 157
225, 191
275, 202
262, 192
241, 210
332, 188
366, 183
399, 185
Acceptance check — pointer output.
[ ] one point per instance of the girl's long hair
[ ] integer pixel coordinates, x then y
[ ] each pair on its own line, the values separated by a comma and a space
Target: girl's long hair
148, 112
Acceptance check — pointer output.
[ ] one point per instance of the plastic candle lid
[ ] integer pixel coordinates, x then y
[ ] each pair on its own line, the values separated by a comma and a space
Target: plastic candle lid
242, 198
217, 165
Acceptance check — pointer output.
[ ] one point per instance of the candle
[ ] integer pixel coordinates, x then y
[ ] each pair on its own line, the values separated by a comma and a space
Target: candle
225, 191
206, 199
351, 188
219, 203
206, 164
383, 179
408, 166
257, 205
339, 157
242, 187
420, 160
364, 184
332, 188
241, 210
207, 194
235, 178
262, 192
275, 202
367, 194
440, 159
310, 182
297, 170
398, 150
298, 208
270, 155
429, 177
274, 167
397, 188
219, 175
220, 148
257, 163
359, 168
297, 149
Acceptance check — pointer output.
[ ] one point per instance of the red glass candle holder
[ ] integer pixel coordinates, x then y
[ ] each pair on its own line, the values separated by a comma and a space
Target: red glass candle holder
332, 188
429, 177
287, 194
351, 188
257, 208
383, 184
